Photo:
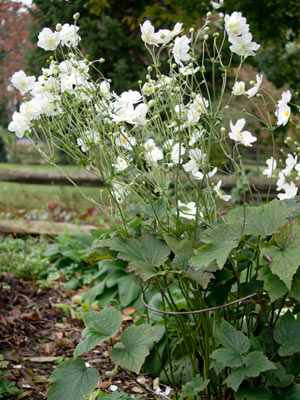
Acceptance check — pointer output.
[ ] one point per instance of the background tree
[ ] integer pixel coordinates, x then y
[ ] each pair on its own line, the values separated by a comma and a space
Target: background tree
13, 43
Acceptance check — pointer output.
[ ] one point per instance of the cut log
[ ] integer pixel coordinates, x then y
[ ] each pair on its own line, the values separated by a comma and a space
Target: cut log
24, 226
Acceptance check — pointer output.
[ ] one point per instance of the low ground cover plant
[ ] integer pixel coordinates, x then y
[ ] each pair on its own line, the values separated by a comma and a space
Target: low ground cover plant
220, 284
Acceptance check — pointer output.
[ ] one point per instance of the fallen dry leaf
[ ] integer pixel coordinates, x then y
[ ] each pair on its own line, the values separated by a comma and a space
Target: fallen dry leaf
128, 310
137, 389
104, 385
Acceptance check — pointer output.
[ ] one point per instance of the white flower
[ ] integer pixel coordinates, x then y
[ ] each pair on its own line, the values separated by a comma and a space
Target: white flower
30, 109
285, 98
188, 70
238, 88
165, 35
164, 393
290, 191
87, 140
220, 193
120, 193
121, 164
148, 89
242, 45
154, 155
290, 162
131, 115
297, 168
113, 388
252, 92
283, 111
48, 40
271, 163
236, 133
181, 49
128, 142
281, 181
189, 210
177, 152
68, 35
22, 82
235, 24
200, 104
130, 97
105, 89
148, 33
49, 104
19, 124
196, 135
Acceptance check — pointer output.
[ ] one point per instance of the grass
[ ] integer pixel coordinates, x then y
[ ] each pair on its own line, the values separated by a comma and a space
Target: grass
35, 166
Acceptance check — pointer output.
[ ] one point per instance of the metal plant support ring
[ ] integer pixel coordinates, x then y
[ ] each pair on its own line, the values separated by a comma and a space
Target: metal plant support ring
196, 311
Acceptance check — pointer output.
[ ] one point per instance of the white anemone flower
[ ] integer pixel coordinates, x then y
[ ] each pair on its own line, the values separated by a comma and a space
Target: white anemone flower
297, 168
177, 152
148, 33
283, 113
22, 82
68, 35
19, 124
252, 92
220, 193
280, 181
290, 190
235, 24
238, 88
290, 162
189, 210
286, 97
181, 49
188, 70
154, 155
196, 135
119, 192
121, 164
243, 45
271, 163
240, 136
126, 141
48, 40
165, 35
30, 109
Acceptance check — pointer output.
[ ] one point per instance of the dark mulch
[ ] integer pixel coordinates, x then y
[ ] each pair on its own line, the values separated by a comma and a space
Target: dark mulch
35, 333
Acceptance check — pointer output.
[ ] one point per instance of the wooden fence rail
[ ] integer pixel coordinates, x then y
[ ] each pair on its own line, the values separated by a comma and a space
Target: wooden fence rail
87, 178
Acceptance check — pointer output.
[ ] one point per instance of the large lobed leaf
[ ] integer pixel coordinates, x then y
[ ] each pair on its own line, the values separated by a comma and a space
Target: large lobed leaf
265, 219
100, 326
287, 333
133, 349
72, 381
284, 256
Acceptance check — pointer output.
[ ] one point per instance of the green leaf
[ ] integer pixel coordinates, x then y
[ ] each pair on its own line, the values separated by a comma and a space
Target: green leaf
148, 249
220, 241
278, 377
133, 349
128, 291
287, 333
255, 363
233, 339
293, 393
295, 289
262, 220
228, 357
272, 284
143, 269
203, 275
284, 258
177, 246
72, 381
100, 326
194, 387
253, 393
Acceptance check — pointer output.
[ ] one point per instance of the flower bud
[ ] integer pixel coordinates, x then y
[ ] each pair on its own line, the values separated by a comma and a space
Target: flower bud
252, 83
58, 27
140, 82
216, 34
151, 103
76, 16
102, 60
206, 29
192, 30
205, 37
223, 129
174, 65
208, 14
149, 68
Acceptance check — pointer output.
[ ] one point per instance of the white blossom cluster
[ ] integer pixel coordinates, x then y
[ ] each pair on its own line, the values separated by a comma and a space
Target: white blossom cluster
154, 131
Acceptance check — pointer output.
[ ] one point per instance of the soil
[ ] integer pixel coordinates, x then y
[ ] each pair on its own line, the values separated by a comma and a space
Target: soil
35, 333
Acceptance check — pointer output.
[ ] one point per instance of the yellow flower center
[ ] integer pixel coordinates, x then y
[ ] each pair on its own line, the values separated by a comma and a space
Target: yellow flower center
240, 133
287, 113
124, 141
